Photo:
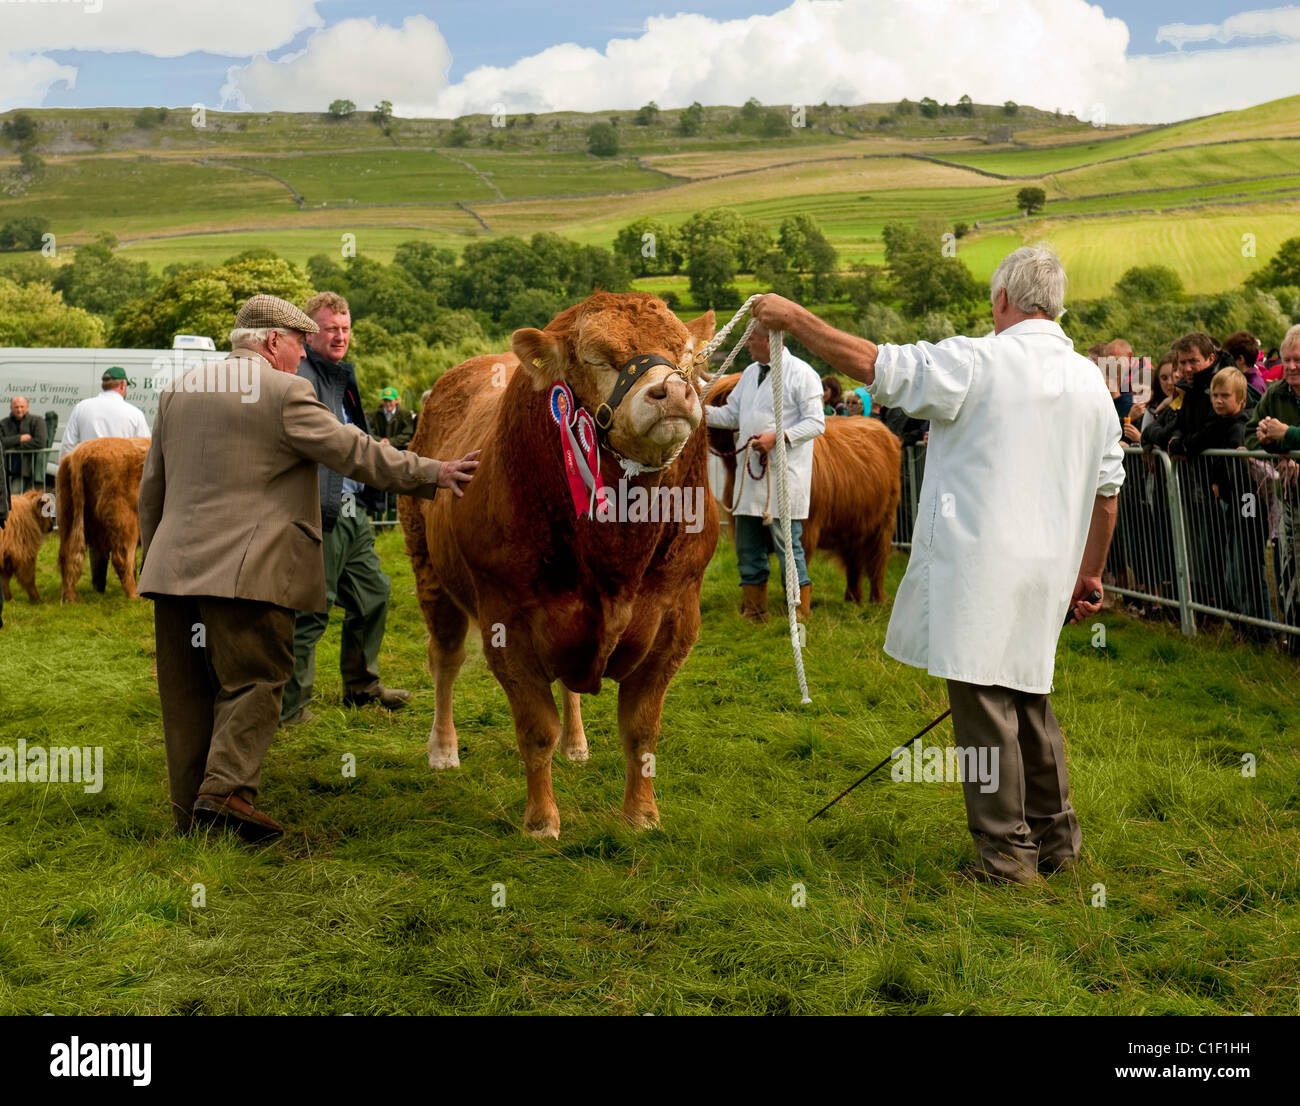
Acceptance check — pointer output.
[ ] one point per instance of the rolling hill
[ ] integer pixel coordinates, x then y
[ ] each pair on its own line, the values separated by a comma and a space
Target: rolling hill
1181, 195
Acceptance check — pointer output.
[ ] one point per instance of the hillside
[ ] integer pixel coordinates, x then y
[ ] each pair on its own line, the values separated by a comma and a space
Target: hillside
171, 191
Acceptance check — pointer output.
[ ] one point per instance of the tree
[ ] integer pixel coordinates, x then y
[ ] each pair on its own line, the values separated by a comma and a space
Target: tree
35, 315
649, 247
146, 118
904, 107
460, 135
930, 108
1282, 269
430, 266
808, 251
602, 140
21, 127
751, 110
923, 279
965, 106
746, 240
1010, 108
203, 300
774, 124
26, 232
341, 109
1149, 283
1031, 200
100, 281
383, 112
691, 120
647, 116
711, 269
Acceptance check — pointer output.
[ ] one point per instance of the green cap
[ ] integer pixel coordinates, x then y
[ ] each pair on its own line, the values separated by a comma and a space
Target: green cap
389, 393
115, 373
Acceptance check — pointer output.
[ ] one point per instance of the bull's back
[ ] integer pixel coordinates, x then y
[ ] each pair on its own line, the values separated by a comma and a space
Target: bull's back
462, 407
856, 474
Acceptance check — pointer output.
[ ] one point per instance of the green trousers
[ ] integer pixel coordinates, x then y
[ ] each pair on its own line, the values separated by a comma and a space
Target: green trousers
353, 580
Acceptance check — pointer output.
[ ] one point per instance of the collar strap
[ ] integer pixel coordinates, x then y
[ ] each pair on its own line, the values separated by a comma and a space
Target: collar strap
628, 375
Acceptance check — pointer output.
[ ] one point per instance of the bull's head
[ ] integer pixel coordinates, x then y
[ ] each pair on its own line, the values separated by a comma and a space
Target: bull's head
630, 362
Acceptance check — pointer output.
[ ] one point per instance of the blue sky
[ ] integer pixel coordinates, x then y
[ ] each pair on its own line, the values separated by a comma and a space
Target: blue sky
430, 59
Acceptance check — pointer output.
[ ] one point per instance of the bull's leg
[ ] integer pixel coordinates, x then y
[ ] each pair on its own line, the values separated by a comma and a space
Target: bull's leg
640, 709
71, 558
876, 562
853, 559
573, 742
448, 625
537, 729
124, 560
4, 585
26, 574
98, 570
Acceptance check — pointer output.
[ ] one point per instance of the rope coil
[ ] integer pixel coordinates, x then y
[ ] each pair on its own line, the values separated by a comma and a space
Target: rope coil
776, 354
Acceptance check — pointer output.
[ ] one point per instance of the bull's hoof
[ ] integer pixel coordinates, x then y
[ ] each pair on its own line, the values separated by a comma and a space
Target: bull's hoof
642, 818
440, 759
544, 826
575, 753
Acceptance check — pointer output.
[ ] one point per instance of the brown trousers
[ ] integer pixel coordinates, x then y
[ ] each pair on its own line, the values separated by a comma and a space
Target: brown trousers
1026, 823
222, 667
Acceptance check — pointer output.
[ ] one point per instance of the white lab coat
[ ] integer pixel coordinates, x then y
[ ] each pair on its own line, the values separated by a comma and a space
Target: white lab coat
749, 412
107, 415
1023, 436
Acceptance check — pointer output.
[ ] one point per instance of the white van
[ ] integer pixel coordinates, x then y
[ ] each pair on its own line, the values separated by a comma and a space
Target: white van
58, 379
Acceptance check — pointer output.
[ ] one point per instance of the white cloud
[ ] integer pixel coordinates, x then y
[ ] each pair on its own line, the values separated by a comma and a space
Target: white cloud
25, 79
356, 59
162, 28
1267, 23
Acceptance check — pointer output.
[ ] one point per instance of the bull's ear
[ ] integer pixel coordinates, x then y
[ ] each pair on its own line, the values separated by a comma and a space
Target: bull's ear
541, 354
702, 328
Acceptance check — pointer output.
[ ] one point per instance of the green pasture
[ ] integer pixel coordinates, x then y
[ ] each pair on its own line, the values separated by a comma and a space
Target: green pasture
380, 899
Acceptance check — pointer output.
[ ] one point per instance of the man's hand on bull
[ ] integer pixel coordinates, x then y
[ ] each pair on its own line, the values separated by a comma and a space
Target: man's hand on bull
454, 474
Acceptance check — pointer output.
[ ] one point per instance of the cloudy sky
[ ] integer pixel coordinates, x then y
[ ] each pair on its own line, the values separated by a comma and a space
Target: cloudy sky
1140, 61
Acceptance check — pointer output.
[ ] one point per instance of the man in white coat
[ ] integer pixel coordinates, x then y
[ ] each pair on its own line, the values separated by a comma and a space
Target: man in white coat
107, 415
1016, 513
750, 412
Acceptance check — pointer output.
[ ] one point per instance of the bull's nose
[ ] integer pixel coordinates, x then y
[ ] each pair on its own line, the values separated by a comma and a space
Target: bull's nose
673, 393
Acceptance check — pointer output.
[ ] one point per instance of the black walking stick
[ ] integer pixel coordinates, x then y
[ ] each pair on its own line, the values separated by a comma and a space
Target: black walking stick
1095, 597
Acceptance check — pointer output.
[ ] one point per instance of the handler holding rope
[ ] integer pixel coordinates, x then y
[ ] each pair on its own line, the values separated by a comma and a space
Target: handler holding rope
750, 411
1016, 514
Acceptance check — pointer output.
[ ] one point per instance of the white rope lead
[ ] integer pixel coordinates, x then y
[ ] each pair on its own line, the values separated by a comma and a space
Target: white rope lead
776, 343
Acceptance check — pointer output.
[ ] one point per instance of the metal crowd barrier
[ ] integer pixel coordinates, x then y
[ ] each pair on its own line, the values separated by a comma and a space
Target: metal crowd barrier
1217, 534
45, 465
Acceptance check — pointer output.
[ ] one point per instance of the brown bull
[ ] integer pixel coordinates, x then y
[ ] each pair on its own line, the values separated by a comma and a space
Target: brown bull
31, 518
559, 597
98, 503
853, 501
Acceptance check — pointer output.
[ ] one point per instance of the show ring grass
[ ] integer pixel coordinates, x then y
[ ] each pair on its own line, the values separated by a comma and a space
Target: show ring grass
380, 899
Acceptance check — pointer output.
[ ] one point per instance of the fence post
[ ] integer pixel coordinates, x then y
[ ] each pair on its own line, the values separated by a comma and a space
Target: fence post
1178, 539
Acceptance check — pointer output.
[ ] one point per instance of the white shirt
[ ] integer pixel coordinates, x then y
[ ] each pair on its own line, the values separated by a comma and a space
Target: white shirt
1022, 438
107, 415
749, 411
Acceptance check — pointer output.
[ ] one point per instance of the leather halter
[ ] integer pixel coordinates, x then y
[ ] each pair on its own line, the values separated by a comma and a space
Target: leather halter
629, 374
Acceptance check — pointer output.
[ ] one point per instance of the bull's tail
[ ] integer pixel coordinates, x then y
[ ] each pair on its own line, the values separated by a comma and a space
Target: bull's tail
71, 508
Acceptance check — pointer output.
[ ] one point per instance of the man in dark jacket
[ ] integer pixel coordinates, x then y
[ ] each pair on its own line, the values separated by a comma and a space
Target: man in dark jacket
21, 434
353, 576
390, 424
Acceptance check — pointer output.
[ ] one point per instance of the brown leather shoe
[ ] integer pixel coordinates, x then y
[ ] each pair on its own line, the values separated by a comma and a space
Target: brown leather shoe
237, 815
390, 698
753, 602
298, 717
804, 610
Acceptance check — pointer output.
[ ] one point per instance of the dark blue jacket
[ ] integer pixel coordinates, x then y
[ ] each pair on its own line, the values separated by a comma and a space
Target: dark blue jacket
336, 387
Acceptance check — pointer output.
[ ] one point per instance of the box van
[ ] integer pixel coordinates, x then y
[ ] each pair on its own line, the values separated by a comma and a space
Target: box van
58, 379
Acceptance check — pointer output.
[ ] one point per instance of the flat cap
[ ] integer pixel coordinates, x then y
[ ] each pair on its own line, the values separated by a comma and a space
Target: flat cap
264, 312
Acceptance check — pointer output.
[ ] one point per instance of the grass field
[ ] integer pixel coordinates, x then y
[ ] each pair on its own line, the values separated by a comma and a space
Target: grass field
379, 899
